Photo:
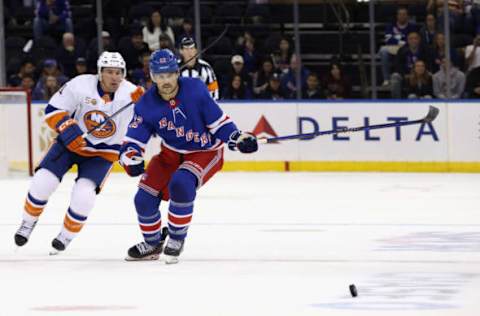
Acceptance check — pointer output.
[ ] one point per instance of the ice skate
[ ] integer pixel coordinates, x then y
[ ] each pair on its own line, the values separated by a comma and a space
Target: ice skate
145, 251
23, 233
173, 249
59, 244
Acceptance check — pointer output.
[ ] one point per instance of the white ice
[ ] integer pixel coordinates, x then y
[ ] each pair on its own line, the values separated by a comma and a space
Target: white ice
260, 244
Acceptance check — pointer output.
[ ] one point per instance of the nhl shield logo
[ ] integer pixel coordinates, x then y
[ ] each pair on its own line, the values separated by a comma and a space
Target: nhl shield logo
95, 118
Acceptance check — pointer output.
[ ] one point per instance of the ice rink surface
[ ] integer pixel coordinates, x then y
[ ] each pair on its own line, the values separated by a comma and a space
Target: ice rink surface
260, 244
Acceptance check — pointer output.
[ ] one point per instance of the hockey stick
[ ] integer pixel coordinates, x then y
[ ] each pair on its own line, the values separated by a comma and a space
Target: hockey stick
93, 129
109, 118
123, 108
431, 115
206, 48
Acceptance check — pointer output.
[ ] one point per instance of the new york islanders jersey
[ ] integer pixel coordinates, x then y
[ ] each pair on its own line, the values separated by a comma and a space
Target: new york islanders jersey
190, 122
83, 99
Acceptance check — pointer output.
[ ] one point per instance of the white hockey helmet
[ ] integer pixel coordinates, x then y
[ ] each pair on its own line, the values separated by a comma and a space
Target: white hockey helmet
113, 60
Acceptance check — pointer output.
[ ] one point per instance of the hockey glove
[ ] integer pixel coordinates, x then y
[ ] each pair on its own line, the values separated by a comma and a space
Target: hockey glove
70, 134
131, 159
137, 94
245, 142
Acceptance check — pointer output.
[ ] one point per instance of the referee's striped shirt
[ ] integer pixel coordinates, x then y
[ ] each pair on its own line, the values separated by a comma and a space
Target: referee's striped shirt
204, 72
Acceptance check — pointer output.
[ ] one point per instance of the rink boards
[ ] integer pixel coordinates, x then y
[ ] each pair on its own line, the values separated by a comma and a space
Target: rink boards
450, 143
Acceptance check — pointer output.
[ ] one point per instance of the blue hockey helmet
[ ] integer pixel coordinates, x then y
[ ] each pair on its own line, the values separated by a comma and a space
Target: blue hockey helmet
163, 60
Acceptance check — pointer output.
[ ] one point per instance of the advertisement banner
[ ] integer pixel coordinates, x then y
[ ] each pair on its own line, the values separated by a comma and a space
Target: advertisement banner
450, 143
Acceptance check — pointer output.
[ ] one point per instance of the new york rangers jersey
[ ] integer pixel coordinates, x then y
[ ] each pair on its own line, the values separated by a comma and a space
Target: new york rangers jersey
190, 122
83, 99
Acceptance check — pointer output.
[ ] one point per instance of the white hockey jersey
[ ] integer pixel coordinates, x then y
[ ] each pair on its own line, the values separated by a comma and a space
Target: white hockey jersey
81, 99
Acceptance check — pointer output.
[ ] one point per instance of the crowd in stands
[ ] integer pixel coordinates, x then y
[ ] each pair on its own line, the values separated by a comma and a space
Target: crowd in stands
413, 57
414, 60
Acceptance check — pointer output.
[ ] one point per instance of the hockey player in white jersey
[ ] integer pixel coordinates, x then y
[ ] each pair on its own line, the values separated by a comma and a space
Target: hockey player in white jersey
82, 103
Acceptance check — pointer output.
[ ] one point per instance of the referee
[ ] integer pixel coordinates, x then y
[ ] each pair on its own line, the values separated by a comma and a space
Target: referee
198, 68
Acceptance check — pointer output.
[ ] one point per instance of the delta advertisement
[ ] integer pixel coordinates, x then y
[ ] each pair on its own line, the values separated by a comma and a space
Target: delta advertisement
450, 143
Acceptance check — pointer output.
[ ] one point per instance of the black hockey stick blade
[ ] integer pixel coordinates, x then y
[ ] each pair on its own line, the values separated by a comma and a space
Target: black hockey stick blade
432, 114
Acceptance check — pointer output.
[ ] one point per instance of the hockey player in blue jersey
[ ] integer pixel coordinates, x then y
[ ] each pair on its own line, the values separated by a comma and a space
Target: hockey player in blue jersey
193, 130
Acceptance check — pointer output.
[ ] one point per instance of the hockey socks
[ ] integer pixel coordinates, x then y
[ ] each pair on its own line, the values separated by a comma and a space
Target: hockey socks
72, 224
32, 210
182, 188
33, 207
149, 217
43, 185
81, 204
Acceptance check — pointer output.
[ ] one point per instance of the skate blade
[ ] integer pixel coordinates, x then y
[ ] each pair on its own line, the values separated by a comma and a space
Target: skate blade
171, 260
147, 258
54, 252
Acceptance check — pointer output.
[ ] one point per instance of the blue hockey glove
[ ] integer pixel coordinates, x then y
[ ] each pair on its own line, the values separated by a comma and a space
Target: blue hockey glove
245, 142
131, 159
70, 134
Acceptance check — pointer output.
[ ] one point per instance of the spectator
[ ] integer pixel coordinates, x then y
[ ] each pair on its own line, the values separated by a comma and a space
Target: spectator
27, 83
114, 16
240, 42
250, 56
52, 16
237, 90
274, 90
473, 84
141, 76
155, 27
429, 30
186, 31
195, 67
418, 84
166, 42
282, 58
27, 69
336, 84
455, 11
239, 69
439, 52
132, 50
395, 38
80, 67
313, 90
472, 54
457, 82
45, 88
289, 81
68, 53
475, 16
92, 52
50, 68
260, 80
405, 60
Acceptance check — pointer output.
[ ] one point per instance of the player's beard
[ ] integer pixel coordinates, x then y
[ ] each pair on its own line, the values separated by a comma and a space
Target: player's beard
168, 91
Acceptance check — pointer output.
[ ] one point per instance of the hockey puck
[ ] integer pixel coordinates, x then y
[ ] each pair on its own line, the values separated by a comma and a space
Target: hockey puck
353, 290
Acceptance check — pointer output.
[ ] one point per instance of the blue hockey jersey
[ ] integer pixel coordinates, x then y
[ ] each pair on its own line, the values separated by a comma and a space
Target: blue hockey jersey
190, 122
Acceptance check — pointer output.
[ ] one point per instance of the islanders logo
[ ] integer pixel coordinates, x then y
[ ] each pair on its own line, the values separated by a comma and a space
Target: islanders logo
95, 118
